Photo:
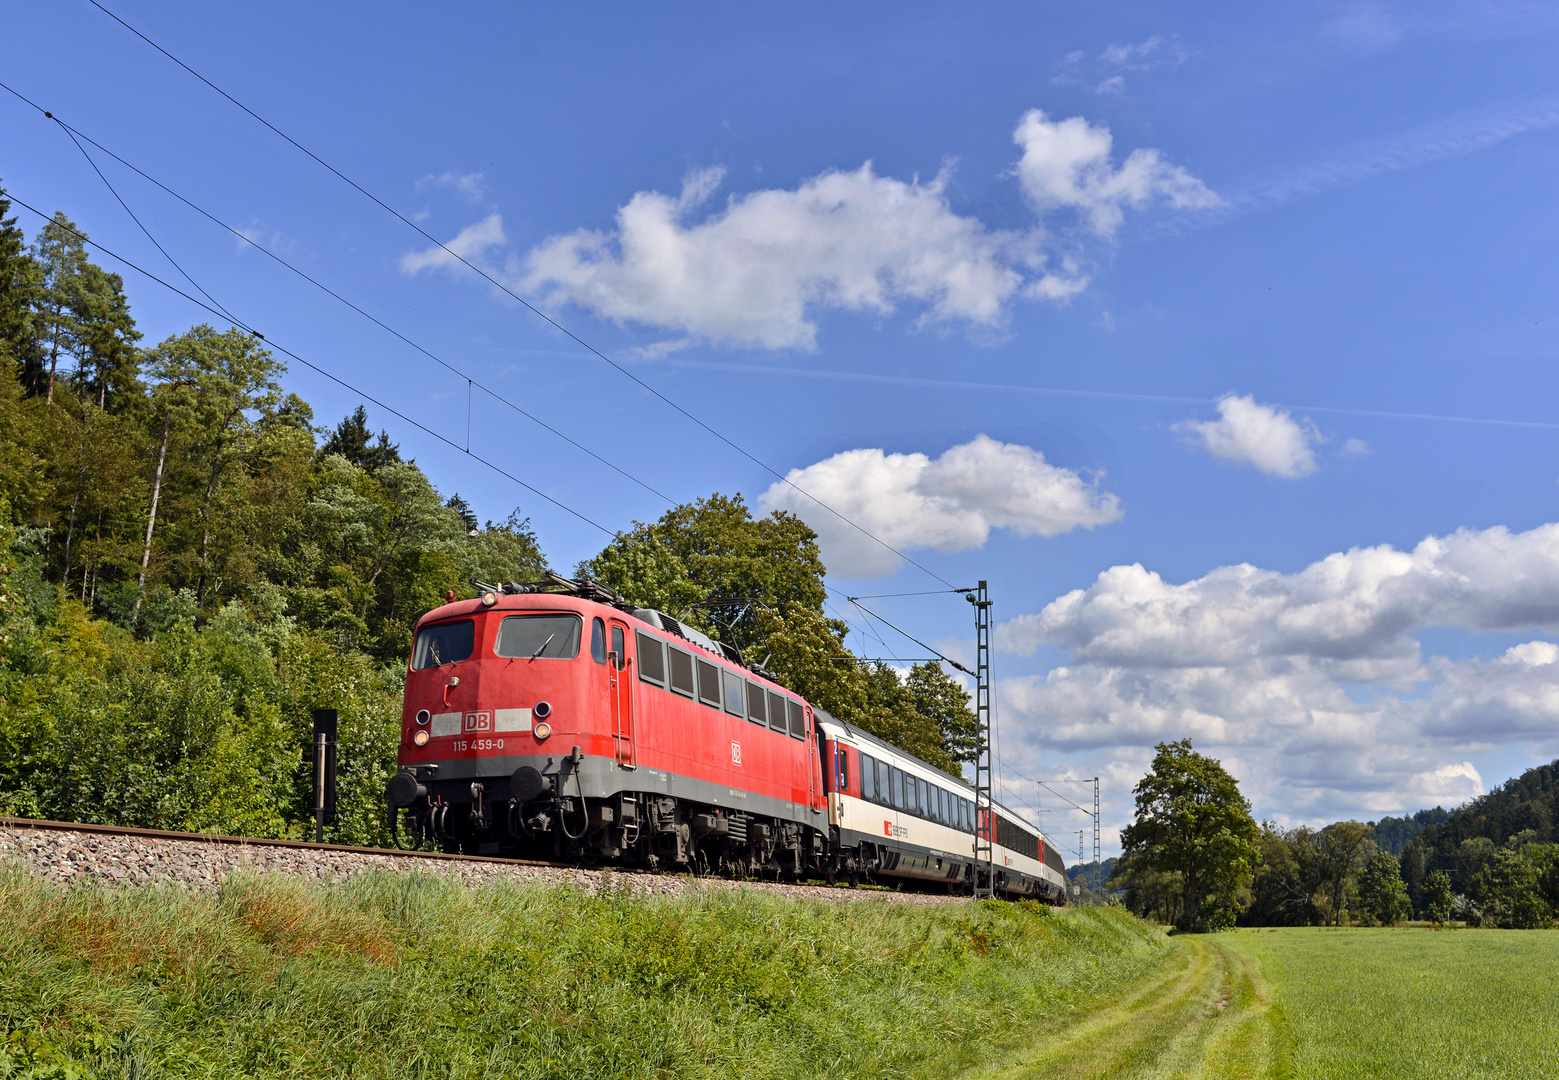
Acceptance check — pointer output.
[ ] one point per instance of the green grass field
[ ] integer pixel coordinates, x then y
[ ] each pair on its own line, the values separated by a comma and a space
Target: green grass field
417, 976
1319, 1004
1413, 1003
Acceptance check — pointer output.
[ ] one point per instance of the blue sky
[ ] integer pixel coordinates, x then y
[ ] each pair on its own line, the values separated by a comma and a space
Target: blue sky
1144, 286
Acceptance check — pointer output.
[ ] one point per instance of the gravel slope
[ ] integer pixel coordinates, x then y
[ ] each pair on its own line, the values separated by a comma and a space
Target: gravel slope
67, 857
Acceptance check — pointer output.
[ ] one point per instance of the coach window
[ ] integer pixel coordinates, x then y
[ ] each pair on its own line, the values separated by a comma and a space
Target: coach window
708, 684
755, 710
652, 660
598, 641
443, 644
777, 720
619, 648
734, 699
844, 767
529, 637
944, 801
798, 720
681, 665
895, 788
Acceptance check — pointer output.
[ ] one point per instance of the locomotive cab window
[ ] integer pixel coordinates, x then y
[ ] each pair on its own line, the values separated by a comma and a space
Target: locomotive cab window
598, 641
681, 665
533, 637
444, 643
652, 660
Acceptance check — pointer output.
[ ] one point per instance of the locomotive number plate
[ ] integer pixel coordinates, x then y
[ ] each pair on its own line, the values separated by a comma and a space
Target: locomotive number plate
478, 744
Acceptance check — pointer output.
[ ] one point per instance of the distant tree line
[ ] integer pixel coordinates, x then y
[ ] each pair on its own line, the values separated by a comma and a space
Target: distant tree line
189, 566
1195, 859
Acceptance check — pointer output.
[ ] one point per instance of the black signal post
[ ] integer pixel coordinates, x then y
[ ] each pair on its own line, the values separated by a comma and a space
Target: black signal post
325, 725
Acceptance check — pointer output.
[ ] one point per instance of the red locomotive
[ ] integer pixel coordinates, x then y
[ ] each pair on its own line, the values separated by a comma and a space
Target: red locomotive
556, 721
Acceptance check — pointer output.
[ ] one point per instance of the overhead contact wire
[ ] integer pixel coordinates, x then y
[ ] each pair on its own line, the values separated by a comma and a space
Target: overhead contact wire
241, 324
539, 313
489, 391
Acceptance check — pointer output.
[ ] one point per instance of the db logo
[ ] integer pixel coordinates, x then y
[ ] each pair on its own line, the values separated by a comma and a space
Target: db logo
479, 721
736, 753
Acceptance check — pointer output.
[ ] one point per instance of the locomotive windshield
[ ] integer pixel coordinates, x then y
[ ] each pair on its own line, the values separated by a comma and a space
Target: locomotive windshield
443, 644
529, 637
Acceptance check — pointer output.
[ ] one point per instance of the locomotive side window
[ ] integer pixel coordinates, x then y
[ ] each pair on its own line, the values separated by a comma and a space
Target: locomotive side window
652, 660
681, 671
444, 644
708, 684
598, 641
755, 702
733, 693
528, 637
620, 647
776, 711
798, 720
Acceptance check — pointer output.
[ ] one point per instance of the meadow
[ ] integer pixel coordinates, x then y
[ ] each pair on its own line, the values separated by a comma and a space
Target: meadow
1413, 1002
1320, 1004
413, 975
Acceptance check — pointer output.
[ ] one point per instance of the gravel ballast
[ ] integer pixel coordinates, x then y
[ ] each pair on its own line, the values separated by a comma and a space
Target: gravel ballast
66, 857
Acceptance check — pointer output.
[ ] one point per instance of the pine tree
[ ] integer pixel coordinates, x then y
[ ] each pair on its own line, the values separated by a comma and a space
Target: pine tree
61, 255
19, 281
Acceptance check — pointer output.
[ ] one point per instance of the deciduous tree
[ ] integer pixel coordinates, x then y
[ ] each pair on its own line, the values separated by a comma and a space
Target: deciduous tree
1192, 820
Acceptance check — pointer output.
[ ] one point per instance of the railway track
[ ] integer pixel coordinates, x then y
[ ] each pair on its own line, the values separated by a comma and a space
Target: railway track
68, 852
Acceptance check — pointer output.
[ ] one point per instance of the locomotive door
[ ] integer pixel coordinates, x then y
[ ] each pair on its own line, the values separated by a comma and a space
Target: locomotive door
619, 671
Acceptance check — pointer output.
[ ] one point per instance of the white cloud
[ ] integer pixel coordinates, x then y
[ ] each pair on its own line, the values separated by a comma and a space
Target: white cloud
1068, 164
757, 270
749, 273
950, 503
1262, 436
472, 186
1313, 680
471, 243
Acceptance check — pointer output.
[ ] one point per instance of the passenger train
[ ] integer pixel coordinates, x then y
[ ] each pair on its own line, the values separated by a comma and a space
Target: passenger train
556, 721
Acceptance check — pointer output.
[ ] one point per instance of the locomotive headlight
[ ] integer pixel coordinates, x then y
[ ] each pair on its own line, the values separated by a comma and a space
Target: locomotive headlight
422, 718
489, 599
542, 710
421, 738
541, 730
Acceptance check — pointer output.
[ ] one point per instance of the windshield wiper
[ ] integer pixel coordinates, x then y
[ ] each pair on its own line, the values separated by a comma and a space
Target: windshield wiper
543, 645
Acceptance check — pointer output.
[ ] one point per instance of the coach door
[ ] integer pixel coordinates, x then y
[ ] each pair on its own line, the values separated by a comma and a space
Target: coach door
619, 668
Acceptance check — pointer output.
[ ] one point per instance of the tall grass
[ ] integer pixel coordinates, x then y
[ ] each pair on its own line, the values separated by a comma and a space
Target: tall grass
400, 975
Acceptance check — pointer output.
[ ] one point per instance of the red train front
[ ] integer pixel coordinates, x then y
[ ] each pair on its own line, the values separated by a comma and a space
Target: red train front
566, 724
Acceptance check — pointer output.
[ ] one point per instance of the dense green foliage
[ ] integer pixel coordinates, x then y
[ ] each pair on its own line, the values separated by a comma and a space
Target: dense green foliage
1411, 1004
1498, 852
1189, 852
1391, 834
1493, 862
413, 975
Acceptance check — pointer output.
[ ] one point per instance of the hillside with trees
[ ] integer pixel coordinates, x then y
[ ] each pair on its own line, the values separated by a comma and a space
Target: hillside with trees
190, 564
